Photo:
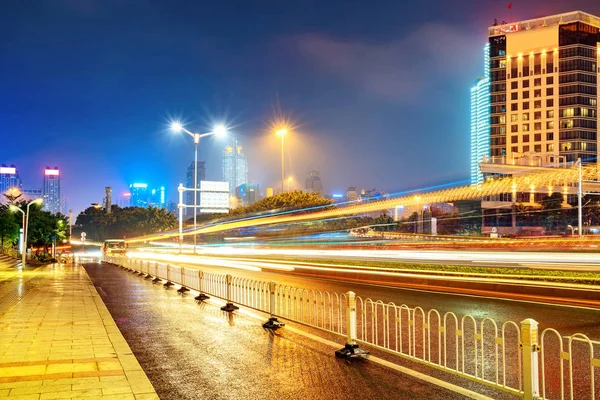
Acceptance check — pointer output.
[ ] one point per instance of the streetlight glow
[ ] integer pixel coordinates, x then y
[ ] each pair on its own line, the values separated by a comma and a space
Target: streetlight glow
176, 126
219, 130
282, 131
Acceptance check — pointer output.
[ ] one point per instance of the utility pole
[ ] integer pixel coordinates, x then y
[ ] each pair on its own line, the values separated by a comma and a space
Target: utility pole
579, 198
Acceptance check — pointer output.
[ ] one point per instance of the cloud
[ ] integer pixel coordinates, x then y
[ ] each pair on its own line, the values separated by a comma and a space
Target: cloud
401, 69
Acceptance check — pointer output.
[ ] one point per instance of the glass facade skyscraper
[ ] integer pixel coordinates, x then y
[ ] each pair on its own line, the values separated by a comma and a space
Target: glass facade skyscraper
480, 120
9, 178
51, 190
139, 194
235, 167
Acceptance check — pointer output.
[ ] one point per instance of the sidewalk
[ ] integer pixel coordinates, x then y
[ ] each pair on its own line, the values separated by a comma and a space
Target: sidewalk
58, 340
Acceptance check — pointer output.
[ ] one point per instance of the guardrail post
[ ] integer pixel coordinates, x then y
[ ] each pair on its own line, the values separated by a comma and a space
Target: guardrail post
156, 278
182, 289
168, 282
202, 296
272, 323
529, 349
141, 271
351, 349
148, 275
229, 307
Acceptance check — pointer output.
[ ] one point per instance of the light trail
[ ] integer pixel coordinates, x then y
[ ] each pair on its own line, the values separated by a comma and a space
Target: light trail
557, 178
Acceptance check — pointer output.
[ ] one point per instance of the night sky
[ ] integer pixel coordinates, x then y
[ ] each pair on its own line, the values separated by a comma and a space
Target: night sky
378, 90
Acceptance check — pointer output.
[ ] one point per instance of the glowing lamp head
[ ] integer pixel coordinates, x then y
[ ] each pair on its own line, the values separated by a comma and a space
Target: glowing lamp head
13, 208
176, 127
220, 130
38, 201
282, 132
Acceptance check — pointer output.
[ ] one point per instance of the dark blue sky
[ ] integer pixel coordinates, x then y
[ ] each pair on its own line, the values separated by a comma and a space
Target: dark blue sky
379, 89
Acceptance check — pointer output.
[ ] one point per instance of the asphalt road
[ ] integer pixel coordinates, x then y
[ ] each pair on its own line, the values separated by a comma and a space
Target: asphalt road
192, 351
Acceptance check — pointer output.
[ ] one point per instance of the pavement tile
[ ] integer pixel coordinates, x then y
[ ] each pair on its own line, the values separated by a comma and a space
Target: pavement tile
41, 389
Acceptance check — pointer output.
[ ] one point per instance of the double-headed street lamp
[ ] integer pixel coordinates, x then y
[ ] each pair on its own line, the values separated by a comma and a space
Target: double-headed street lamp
25, 226
282, 133
217, 130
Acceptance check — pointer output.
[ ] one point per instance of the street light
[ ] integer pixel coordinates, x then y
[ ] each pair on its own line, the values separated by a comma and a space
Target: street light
218, 130
289, 179
25, 225
282, 133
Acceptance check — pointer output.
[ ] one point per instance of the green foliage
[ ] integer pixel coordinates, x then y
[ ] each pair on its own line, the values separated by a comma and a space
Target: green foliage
295, 200
9, 229
123, 222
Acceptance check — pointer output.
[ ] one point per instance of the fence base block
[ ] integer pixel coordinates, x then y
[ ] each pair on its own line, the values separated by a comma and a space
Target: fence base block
201, 297
148, 276
229, 307
183, 289
168, 284
156, 280
273, 324
351, 351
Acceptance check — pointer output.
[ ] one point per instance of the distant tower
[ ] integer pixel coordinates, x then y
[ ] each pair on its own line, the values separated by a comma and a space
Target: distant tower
480, 120
313, 183
189, 183
9, 179
108, 199
139, 194
51, 190
234, 167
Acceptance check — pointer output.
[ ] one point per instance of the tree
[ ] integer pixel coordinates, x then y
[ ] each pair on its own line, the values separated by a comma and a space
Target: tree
9, 229
553, 214
296, 200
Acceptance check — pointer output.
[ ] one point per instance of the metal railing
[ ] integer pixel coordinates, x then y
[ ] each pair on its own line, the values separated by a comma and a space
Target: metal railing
503, 356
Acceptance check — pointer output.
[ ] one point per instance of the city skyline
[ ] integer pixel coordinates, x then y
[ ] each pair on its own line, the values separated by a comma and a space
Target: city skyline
356, 100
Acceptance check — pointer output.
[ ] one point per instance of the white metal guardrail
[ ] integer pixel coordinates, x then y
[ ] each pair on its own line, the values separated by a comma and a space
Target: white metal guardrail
512, 357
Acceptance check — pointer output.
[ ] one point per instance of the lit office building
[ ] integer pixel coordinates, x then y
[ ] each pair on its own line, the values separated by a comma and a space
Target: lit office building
189, 183
139, 194
248, 193
51, 190
157, 197
9, 179
543, 105
125, 200
480, 120
235, 167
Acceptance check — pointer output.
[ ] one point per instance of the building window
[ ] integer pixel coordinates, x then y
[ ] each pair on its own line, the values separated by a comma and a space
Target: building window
514, 139
550, 147
550, 136
566, 123
550, 114
503, 119
537, 93
549, 91
525, 149
525, 138
514, 117
525, 117
502, 130
537, 137
537, 115
568, 112
526, 105
514, 107
514, 85
550, 79
526, 83
514, 96
537, 104
514, 149
526, 94
514, 128
537, 82
537, 148
537, 126
566, 146
549, 124
550, 103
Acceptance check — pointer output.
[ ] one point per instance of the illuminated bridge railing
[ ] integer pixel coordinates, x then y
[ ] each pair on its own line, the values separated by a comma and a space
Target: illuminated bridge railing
516, 358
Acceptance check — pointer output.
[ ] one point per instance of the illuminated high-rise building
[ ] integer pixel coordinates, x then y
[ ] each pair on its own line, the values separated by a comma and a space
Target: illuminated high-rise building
51, 190
139, 194
158, 197
543, 107
9, 179
235, 167
480, 120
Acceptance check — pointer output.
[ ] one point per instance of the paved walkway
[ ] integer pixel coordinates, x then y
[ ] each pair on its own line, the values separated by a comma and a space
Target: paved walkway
58, 340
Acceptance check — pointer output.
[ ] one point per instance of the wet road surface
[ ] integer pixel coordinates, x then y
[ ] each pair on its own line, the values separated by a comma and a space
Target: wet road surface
193, 351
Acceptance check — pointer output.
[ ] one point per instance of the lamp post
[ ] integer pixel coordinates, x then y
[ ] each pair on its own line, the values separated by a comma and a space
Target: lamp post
25, 226
217, 130
579, 196
282, 133
289, 179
